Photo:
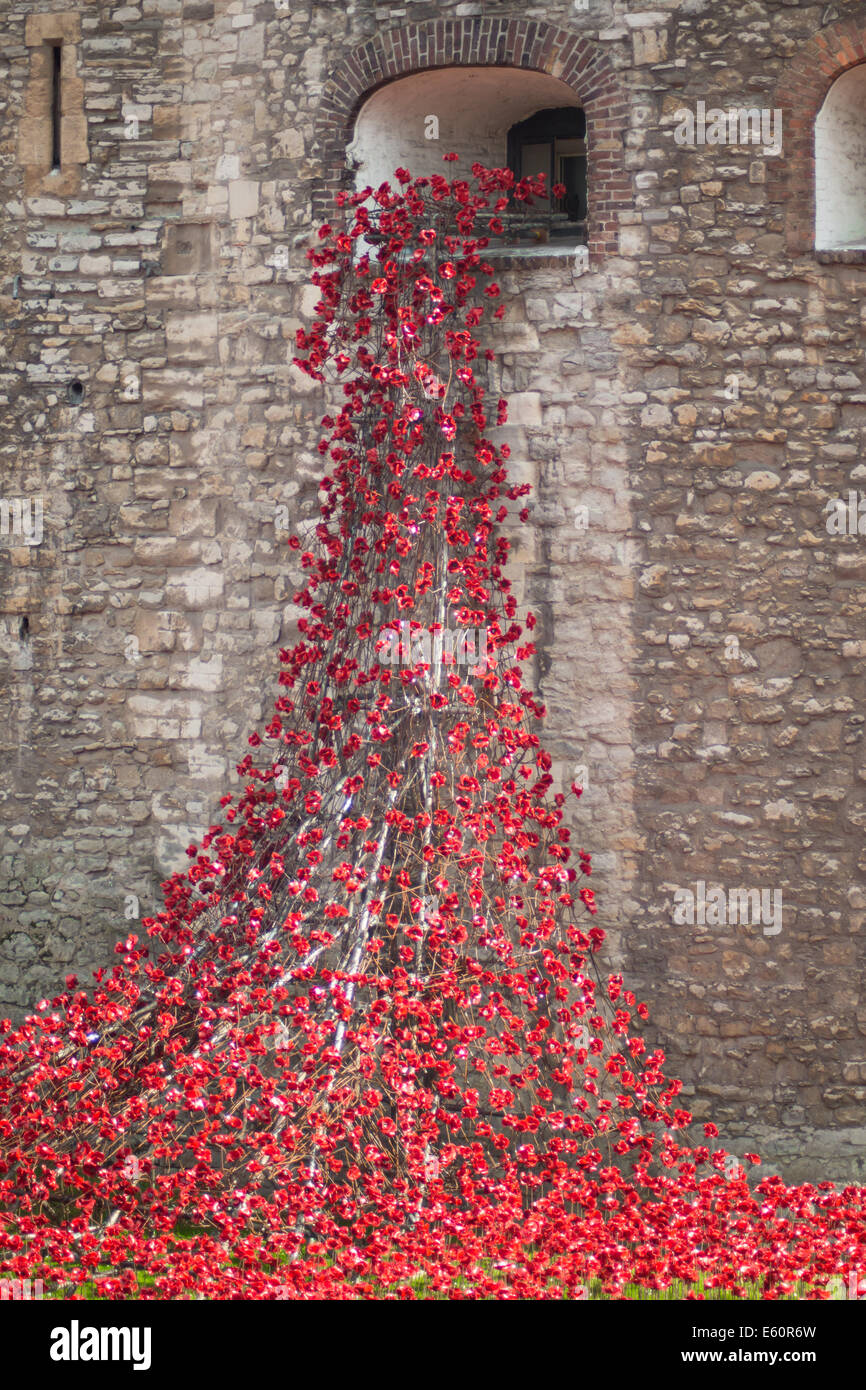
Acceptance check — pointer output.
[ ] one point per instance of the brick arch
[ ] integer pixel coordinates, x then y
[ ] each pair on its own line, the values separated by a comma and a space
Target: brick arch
507, 42
800, 94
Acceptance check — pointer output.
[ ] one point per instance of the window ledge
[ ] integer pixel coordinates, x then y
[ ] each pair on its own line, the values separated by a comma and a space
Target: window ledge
842, 255
544, 256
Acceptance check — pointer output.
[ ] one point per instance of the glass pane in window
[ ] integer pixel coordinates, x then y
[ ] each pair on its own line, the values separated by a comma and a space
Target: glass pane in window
571, 170
535, 160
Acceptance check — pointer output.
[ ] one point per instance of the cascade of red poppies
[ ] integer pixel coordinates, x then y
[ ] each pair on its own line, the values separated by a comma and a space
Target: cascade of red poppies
367, 1047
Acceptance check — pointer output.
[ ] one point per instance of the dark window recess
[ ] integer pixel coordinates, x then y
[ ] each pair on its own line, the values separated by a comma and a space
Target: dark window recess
553, 143
56, 111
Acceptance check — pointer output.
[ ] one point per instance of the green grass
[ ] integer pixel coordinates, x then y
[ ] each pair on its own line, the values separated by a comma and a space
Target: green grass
677, 1290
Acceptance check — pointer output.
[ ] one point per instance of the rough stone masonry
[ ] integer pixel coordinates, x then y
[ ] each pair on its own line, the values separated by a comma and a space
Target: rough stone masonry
686, 410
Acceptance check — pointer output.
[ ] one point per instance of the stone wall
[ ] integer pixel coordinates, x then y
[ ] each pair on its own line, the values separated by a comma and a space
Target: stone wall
685, 410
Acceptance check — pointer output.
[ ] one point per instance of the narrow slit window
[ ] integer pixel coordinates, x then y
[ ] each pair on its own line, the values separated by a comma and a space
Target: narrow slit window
56, 111
52, 133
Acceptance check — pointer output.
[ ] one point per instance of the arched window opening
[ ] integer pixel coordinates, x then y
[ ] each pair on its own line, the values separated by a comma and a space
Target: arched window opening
840, 165
499, 116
